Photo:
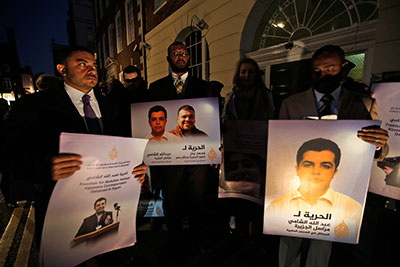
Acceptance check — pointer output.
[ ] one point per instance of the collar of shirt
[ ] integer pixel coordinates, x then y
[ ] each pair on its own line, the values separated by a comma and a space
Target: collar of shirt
183, 77
335, 101
328, 196
76, 98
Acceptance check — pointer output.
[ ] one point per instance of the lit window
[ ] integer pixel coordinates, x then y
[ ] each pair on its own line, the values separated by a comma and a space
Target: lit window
6, 83
130, 25
118, 29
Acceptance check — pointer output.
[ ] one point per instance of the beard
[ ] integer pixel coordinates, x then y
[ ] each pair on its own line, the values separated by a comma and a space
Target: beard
328, 84
178, 69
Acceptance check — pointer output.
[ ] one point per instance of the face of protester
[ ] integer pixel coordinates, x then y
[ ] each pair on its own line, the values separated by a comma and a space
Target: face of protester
130, 78
100, 206
316, 171
247, 74
326, 72
186, 119
157, 122
178, 59
80, 71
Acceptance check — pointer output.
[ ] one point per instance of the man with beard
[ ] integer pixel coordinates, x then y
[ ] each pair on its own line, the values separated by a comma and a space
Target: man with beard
186, 123
184, 187
327, 98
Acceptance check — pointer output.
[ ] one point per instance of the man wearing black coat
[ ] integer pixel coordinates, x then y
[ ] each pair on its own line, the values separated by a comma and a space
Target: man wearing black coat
184, 187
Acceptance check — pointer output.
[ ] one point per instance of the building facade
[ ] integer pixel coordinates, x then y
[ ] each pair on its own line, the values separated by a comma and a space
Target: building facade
280, 35
118, 36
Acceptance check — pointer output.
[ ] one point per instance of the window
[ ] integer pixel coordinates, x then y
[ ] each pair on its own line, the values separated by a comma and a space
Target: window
101, 8
6, 84
291, 20
111, 40
130, 25
158, 4
357, 72
118, 24
5, 68
193, 45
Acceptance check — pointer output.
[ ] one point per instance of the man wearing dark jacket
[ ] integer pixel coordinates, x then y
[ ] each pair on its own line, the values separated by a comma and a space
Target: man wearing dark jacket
184, 187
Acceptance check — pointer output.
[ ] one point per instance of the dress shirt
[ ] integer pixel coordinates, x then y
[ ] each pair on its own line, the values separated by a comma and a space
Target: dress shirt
164, 138
76, 98
335, 203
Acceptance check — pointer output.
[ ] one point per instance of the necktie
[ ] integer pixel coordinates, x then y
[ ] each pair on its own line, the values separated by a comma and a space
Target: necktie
179, 85
92, 122
326, 108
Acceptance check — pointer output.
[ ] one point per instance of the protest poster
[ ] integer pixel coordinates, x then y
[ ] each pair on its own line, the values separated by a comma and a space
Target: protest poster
242, 174
317, 179
94, 210
385, 177
180, 132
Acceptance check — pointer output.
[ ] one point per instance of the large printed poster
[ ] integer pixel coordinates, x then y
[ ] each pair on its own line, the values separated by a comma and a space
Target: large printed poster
94, 210
317, 179
180, 132
242, 173
385, 178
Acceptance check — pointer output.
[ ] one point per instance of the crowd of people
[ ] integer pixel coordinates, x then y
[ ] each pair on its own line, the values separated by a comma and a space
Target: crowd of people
79, 104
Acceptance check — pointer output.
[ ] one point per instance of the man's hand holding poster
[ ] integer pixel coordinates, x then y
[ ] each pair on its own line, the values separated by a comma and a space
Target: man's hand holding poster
180, 132
317, 179
385, 178
94, 210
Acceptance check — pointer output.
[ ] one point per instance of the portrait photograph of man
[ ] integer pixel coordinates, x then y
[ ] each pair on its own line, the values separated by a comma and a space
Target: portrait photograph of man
180, 132
157, 121
98, 220
317, 180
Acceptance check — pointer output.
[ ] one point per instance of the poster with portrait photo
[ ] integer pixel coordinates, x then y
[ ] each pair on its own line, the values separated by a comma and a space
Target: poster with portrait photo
180, 132
242, 173
385, 177
317, 179
94, 210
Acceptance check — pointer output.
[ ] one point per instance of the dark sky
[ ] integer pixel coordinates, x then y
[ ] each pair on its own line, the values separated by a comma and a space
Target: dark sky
35, 23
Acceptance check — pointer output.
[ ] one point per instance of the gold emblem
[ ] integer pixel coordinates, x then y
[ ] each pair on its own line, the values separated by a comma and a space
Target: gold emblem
158, 210
341, 230
212, 155
113, 154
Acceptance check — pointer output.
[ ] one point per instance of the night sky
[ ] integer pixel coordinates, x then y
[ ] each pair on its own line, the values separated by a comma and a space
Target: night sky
35, 23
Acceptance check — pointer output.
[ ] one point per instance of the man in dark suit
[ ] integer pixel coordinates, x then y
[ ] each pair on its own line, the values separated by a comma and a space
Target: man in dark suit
98, 220
327, 99
184, 187
36, 121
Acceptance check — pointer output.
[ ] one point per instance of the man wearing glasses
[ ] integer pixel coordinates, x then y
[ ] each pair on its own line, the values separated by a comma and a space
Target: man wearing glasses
184, 187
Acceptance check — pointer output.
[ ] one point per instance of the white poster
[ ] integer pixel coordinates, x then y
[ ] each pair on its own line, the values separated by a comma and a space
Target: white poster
317, 179
385, 178
94, 210
180, 132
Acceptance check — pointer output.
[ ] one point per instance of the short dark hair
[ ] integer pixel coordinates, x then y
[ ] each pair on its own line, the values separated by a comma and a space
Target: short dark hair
100, 199
131, 69
329, 49
157, 108
171, 46
319, 144
68, 51
186, 107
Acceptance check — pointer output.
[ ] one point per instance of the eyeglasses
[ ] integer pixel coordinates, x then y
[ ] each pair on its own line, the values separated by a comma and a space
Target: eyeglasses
177, 54
328, 69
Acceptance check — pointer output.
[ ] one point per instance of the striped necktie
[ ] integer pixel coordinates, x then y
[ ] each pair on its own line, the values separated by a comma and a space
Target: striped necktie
326, 107
179, 85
